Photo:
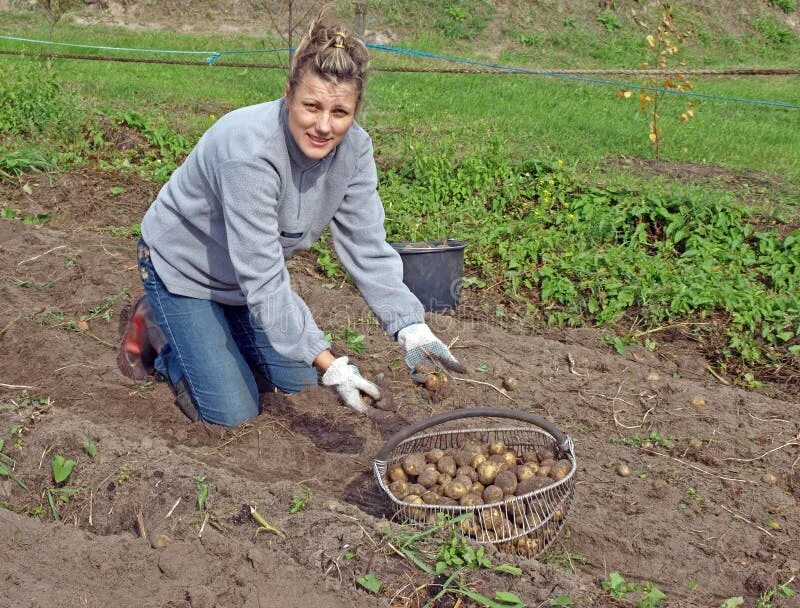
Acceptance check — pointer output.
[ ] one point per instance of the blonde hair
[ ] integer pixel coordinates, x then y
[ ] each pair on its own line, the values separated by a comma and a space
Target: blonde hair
333, 53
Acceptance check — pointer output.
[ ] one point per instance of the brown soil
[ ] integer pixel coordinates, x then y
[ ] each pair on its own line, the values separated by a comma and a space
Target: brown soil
691, 516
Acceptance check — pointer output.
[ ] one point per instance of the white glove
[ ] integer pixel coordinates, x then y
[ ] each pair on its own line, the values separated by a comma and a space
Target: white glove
349, 384
423, 347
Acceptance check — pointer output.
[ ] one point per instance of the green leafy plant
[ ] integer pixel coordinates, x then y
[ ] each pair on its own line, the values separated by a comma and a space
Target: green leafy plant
562, 600
353, 339
649, 596
90, 447
201, 487
370, 582
783, 590
733, 602
5, 470
442, 551
787, 6
62, 468
609, 20
301, 501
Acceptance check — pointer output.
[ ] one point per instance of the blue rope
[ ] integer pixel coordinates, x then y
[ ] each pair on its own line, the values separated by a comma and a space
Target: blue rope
600, 81
213, 56
211, 59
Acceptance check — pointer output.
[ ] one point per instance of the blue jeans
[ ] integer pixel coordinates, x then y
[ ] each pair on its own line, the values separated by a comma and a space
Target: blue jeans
216, 348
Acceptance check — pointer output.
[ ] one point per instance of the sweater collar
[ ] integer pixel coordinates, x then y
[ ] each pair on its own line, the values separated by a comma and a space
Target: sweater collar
295, 153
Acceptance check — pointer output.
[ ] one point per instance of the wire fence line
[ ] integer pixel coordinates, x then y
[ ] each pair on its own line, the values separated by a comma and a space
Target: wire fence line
469, 66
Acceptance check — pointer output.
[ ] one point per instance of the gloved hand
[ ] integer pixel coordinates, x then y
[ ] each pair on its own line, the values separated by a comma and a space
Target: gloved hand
349, 384
423, 347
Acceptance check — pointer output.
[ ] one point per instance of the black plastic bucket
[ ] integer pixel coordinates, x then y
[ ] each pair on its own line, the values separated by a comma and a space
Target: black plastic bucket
433, 271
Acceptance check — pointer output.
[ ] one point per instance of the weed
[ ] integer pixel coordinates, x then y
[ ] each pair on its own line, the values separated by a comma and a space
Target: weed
783, 590
14, 163
561, 600
62, 468
126, 472
370, 582
649, 596
442, 552
5, 471
787, 6
201, 487
300, 502
563, 559
609, 20
90, 447
32, 219
353, 339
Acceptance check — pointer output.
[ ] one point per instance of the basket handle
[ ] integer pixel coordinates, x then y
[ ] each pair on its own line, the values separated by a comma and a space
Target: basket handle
563, 441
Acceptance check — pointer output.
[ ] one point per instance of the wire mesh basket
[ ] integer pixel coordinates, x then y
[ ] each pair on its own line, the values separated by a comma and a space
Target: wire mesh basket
525, 522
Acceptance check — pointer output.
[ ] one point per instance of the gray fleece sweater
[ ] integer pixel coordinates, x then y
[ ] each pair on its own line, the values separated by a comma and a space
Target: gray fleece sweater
247, 198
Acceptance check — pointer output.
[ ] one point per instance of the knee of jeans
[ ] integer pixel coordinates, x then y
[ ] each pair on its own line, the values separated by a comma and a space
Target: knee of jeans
228, 411
295, 380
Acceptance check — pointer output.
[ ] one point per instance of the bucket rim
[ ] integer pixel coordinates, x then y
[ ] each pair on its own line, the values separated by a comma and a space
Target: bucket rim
428, 246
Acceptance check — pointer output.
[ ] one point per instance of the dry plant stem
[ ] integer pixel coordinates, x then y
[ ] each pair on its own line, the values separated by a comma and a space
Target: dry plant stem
177, 502
16, 386
10, 323
696, 468
91, 503
140, 524
498, 389
639, 334
571, 362
203, 526
780, 447
744, 519
717, 376
36, 257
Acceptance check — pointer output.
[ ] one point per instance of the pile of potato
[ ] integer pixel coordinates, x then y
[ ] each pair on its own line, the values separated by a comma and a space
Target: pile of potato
476, 474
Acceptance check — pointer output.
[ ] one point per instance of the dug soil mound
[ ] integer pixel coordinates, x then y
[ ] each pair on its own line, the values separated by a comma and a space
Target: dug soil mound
160, 514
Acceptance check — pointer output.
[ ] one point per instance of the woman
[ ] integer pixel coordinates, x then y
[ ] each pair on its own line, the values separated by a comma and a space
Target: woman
261, 184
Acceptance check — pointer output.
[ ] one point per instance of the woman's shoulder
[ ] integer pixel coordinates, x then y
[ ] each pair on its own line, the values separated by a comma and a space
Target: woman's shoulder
247, 131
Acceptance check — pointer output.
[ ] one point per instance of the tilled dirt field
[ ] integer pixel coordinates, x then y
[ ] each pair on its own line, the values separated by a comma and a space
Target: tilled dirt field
699, 515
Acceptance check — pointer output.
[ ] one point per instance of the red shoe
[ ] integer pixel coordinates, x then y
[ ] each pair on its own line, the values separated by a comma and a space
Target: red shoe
140, 343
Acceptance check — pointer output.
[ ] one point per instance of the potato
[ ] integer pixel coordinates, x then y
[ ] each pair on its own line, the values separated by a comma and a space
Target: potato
399, 489
396, 473
507, 481
531, 485
444, 479
487, 471
510, 383
561, 469
477, 487
423, 369
429, 466
463, 479
530, 456
476, 461
526, 471
500, 460
472, 446
462, 457
467, 471
439, 488
433, 383
510, 458
430, 498
546, 452
497, 447
470, 500
493, 494
527, 546
447, 465
413, 464
414, 499
448, 502
493, 519
428, 478
544, 468
456, 489
469, 526
434, 455
417, 488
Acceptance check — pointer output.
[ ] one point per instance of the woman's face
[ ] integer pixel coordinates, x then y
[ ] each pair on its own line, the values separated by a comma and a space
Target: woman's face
320, 113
